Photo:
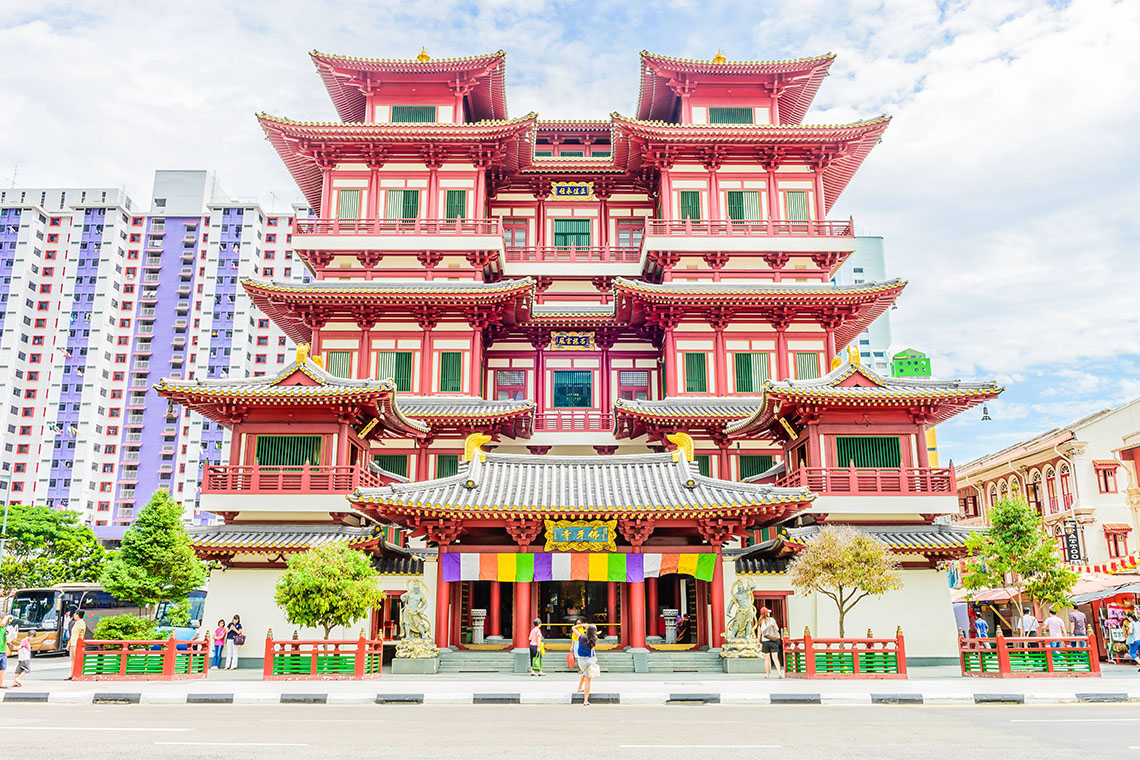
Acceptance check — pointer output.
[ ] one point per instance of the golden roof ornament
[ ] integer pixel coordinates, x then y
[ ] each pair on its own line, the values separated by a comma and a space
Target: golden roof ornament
719, 57
853, 357
302, 353
684, 443
423, 57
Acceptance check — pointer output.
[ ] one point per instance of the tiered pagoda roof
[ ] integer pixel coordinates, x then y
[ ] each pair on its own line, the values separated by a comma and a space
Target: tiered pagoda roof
853, 388
222, 542
794, 81
459, 416
301, 384
519, 486
350, 79
635, 418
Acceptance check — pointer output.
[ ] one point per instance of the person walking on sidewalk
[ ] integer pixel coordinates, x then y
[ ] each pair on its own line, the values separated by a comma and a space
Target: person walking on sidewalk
770, 642
537, 648
587, 661
234, 639
1055, 627
1028, 624
4, 647
1132, 640
1078, 622
219, 644
78, 628
23, 660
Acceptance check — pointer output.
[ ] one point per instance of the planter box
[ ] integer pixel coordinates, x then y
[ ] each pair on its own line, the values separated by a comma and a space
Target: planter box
415, 667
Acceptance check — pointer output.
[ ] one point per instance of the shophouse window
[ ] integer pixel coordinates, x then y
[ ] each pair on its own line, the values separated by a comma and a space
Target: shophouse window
571, 232
797, 205
288, 450
633, 385
731, 115
510, 384
743, 204
339, 363
1106, 479
446, 465
394, 463
1117, 544
402, 204
690, 204
413, 114
868, 451
573, 389
696, 373
807, 365
450, 371
396, 365
751, 372
348, 204
754, 464
456, 204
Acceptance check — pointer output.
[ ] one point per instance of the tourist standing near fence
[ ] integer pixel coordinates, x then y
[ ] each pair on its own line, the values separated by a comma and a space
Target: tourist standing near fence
234, 639
536, 647
770, 642
219, 644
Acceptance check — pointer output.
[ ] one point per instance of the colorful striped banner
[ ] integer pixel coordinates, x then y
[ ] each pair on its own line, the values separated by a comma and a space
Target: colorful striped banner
573, 566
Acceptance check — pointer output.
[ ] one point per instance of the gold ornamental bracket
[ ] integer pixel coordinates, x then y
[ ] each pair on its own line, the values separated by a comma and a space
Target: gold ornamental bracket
684, 443
471, 446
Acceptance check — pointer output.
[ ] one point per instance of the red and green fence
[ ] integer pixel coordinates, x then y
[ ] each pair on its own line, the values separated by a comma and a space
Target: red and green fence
1028, 657
139, 660
845, 658
301, 659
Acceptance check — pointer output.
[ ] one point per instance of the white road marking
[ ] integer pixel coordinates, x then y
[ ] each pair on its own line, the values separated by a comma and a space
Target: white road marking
232, 744
320, 720
698, 746
1076, 720
93, 728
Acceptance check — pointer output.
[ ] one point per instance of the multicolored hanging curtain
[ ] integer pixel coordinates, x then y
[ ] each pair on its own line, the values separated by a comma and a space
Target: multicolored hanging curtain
574, 566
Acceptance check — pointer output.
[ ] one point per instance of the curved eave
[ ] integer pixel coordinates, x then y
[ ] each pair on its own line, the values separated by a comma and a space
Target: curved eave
780, 510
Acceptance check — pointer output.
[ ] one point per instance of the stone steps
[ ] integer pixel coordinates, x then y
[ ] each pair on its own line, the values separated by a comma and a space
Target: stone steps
555, 662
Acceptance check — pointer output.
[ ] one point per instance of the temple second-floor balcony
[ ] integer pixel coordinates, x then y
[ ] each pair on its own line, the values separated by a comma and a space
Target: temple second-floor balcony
732, 235
398, 235
574, 421
624, 261
863, 481
305, 479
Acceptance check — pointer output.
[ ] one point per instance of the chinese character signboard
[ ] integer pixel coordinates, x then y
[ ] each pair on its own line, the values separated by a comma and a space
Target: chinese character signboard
1071, 540
572, 191
574, 535
579, 341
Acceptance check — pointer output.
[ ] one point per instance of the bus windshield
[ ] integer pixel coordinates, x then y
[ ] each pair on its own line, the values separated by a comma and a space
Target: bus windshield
35, 610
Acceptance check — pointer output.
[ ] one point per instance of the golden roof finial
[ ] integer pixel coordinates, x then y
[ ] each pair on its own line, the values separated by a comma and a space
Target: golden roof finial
719, 57
423, 57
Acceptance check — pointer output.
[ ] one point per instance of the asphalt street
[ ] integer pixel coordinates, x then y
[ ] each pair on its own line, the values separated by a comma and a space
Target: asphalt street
283, 732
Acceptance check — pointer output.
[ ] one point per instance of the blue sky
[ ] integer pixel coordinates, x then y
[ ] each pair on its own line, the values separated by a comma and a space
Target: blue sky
1005, 186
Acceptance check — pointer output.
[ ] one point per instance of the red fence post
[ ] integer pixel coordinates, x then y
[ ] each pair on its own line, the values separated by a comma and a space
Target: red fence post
124, 651
267, 663
809, 654
962, 642
1094, 657
900, 651
77, 661
1002, 655
1048, 656
169, 649
358, 669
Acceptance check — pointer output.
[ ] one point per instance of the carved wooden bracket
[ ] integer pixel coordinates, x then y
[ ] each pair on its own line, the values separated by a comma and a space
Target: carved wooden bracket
636, 530
523, 531
443, 531
717, 530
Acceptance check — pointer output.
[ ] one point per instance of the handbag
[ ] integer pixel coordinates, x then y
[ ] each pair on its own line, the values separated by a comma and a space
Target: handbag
239, 639
570, 659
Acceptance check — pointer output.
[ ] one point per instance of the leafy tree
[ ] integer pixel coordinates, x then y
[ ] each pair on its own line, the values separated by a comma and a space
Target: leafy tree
47, 546
1016, 553
331, 585
155, 562
125, 628
846, 566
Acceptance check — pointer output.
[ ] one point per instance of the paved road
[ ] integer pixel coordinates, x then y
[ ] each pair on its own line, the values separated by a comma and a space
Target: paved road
598, 732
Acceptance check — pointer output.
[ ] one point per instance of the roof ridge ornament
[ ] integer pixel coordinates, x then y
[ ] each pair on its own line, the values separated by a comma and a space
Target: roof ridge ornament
719, 57
471, 447
423, 57
684, 443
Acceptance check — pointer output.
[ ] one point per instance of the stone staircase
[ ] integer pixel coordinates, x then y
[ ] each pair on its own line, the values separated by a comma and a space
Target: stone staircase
610, 661
685, 662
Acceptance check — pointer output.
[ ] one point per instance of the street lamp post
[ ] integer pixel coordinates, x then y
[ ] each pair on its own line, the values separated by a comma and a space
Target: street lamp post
4, 527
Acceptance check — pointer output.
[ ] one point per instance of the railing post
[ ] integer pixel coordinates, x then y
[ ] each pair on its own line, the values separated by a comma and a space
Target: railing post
124, 653
962, 652
267, 663
809, 654
1094, 658
361, 657
169, 651
80, 654
900, 651
1002, 655
306, 478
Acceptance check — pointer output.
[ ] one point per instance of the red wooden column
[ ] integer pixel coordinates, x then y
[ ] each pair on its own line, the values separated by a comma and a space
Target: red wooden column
782, 351
476, 359
720, 355
342, 444
920, 449
494, 615
442, 600
828, 347
716, 639
652, 607
364, 353
671, 365
522, 616
426, 321
637, 615
422, 459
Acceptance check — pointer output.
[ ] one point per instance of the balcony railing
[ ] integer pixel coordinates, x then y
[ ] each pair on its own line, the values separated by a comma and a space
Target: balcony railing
854, 481
749, 228
573, 253
457, 227
302, 479
574, 421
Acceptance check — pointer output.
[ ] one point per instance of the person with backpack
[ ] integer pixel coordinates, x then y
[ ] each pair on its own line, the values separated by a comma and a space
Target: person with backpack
587, 661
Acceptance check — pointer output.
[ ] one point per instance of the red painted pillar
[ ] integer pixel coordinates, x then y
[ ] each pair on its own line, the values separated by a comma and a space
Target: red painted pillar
724, 468
624, 605
921, 450
652, 607
720, 364
441, 604
476, 362
425, 386
364, 355
828, 349
341, 445
611, 607
637, 615
522, 615
494, 615
670, 365
432, 210
716, 639
782, 354
539, 380
422, 460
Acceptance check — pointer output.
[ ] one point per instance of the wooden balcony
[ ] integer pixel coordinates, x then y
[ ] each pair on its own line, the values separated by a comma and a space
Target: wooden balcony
575, 421
460, 227
749, 228
860, 481
255, 479
398, 235
556, 254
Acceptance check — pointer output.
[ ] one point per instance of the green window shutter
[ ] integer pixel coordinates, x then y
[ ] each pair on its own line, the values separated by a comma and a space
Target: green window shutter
402, 204
450, 371
807, 365
339, 363
411, 204
394, 463
348, 204
456, 204
751, 372
735, 115
571, 153
797, 205
396, 365
446, 465
735, 204
702, 463
601, 154
868, 451
696, 373
573, 389
754, 464
690, 204
568, 232
543, 153
751, 199
288, 450
413, 114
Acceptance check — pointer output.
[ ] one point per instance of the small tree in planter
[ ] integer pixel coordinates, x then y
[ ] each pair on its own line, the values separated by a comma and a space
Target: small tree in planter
331, 585
846, 566
126, 628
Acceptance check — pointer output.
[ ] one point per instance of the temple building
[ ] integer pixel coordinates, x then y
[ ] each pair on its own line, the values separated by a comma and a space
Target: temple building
564, 369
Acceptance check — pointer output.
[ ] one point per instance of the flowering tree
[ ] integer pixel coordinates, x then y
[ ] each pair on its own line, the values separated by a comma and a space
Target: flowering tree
846, 566
331, 585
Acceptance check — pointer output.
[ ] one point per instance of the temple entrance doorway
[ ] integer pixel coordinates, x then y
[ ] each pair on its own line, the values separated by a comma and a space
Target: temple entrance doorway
562, 603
